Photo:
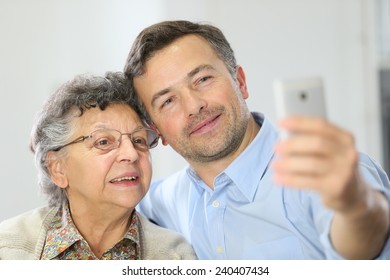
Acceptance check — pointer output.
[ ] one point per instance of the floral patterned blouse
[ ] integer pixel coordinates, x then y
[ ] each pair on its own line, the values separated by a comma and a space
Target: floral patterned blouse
64, 242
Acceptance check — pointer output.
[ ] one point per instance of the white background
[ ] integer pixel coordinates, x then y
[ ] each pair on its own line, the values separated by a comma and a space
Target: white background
46, 42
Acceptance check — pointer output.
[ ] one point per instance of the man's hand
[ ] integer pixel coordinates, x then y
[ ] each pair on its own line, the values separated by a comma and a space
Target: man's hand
319, 156
322, 157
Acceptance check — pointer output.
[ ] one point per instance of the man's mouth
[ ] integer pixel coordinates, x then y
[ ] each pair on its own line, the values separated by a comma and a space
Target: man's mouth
203, 125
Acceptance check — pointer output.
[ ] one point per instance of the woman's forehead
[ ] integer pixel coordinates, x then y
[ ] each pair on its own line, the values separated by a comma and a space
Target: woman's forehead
116, 116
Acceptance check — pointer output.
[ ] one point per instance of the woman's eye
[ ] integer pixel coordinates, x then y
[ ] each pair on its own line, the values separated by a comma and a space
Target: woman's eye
139, 141
103, 142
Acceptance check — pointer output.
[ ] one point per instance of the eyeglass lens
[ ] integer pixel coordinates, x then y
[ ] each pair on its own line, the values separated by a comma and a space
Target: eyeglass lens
106, 139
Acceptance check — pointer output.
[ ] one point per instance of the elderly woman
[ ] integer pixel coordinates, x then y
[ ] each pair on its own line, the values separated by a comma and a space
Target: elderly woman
92, 154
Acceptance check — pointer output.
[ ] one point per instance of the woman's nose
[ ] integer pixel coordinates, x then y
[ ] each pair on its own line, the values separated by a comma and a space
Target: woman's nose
127, 151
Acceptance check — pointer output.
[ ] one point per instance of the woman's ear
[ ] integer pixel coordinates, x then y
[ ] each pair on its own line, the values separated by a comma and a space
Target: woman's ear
154, 127
57, 169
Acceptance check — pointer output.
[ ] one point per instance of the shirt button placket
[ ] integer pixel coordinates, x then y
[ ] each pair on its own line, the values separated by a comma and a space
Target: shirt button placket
218, 209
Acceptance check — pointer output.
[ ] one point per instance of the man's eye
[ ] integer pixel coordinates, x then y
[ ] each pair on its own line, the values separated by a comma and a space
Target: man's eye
167, 102
204, 79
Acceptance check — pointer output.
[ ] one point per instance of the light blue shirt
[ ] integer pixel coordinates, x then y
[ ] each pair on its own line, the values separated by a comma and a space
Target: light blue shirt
248, 216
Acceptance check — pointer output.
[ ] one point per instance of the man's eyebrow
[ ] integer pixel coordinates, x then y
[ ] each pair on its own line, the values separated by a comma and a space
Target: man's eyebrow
189, 75
200, 68
159, 94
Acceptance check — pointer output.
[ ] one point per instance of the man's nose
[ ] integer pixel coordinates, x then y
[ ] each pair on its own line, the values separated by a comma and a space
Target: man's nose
193, 103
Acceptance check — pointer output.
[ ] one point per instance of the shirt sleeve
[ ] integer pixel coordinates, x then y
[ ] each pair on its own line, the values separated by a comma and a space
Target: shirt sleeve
166, 203
150, 206
376, 178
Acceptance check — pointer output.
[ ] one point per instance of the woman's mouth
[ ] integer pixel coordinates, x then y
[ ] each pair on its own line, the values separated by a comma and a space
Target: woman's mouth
124, 179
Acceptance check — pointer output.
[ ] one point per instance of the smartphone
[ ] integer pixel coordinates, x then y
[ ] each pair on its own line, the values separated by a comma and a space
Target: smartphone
300, 97
303, 97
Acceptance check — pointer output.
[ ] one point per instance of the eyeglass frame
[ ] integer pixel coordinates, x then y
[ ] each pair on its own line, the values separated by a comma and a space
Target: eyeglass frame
119, 141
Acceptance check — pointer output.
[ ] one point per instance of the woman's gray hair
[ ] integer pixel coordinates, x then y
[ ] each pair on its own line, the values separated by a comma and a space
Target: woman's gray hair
53, 126
159, 35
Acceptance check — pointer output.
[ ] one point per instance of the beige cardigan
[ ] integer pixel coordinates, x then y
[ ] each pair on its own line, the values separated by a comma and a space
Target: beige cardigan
23, 238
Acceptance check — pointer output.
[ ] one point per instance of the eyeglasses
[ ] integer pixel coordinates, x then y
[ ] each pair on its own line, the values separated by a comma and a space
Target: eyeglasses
110, 139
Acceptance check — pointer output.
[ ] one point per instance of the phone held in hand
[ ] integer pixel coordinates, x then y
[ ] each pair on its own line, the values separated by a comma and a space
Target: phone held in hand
304, 97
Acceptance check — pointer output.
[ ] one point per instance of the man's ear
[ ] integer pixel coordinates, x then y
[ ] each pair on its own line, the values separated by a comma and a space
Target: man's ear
240, 75
154, 127
57, 169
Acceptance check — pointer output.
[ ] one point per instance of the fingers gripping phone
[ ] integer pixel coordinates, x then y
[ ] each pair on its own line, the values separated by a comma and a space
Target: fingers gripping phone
299, 97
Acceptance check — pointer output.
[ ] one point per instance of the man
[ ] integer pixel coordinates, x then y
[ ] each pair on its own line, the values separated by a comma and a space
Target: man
247, 195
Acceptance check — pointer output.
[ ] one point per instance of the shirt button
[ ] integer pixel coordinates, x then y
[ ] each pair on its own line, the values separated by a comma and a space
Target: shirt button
215, 203
219, 249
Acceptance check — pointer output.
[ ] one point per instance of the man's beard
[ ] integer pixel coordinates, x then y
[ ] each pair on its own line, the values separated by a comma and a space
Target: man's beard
216, 145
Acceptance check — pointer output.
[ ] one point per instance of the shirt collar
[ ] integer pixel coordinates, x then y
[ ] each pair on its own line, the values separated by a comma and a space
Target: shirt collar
63, 233
249, 167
